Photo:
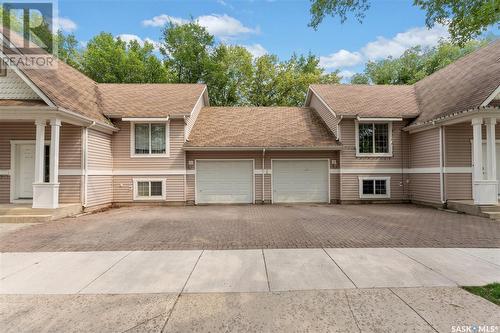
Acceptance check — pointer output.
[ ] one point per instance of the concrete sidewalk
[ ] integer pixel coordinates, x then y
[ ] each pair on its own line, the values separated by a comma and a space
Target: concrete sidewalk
126, 272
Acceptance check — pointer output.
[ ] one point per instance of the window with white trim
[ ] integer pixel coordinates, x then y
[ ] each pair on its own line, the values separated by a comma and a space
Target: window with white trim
374, 187
149, 189
373, 139
150, 139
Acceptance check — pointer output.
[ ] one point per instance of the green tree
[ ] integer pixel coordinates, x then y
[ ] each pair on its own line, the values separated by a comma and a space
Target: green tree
415, 63
360, 78
330, 78
229, 75
112, 60
186, 49
67, 49
263, 90
465, 19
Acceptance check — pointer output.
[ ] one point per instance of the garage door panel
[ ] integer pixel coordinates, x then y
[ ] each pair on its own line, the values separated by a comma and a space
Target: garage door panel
224, 181
300, 181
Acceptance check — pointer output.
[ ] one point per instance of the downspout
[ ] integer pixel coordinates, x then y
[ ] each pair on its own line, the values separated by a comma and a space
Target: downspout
85, 167
263, 174
441, 167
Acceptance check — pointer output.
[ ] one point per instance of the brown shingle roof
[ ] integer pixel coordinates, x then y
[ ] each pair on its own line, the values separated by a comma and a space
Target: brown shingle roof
259, 127
149, 100
460, 86
369, 100
69, 89
22, 102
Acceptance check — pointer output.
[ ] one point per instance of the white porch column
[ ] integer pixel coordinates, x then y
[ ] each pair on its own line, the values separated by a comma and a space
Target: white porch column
46, 195
491, 151
55, 125
485, 191
39, 150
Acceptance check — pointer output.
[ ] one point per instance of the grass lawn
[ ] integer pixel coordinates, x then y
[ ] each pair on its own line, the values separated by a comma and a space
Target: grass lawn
490, 291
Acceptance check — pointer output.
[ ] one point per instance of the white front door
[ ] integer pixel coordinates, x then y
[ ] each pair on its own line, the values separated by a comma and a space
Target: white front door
222, 181
25, 170
498, 162
300, 181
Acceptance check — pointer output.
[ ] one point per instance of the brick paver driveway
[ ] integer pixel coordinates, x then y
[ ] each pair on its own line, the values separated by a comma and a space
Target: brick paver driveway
239, 227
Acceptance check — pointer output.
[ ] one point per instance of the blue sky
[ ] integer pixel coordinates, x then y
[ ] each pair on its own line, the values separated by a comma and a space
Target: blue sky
277, 27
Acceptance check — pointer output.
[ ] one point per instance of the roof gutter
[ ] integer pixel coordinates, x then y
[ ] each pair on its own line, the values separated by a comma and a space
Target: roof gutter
457, 116
324, 148
88, 121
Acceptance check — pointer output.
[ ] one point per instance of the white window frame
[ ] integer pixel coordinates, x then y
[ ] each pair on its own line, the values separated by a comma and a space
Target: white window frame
132, 139
389, 128
387, 195
156, 197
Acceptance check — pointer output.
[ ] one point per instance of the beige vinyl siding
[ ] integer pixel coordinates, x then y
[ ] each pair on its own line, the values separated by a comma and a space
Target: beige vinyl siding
99, 190
458, 186
69, 189
194, 115
328, 117
350, 187
400, 147
425, 188
458, 153
424, 150
123, 188
424, 153
4, 189
121, 150
100, 159
458, 148
190, 187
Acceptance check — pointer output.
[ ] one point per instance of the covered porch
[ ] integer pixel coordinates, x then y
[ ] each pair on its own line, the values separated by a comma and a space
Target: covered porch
32, 172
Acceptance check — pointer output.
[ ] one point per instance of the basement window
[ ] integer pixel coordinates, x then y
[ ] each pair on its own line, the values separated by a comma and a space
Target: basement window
149, 189
374, 187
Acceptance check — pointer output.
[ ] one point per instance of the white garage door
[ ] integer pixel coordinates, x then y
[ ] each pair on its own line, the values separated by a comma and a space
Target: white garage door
300, 181
224, 182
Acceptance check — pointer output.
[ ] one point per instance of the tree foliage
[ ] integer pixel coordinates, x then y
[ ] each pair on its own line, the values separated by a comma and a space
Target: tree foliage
414, 64
111, 60
232, 75
465, 19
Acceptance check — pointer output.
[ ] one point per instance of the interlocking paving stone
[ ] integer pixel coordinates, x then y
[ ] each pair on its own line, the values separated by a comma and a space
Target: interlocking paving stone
257, 226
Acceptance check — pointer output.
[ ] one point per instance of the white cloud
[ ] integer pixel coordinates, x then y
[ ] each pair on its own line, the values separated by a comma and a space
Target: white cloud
222, 26
346, 74
65, 24
342, 58
161, 20
129, 37
256, 50
383, 47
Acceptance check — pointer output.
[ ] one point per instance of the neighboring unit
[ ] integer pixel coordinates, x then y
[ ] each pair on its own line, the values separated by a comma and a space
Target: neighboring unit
67, 139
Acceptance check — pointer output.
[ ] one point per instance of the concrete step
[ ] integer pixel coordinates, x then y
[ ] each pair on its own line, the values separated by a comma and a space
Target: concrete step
25, 211
24, 218
493, 215
490, 208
